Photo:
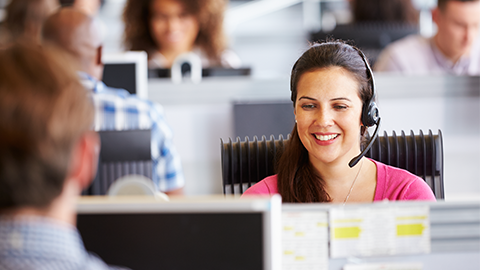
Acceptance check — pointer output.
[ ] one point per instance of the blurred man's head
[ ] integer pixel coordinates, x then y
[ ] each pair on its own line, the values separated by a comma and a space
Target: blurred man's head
458, 23
45, 121
25, 17
79, 34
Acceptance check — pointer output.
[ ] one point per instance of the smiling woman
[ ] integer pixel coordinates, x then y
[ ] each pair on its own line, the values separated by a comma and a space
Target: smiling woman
332, 89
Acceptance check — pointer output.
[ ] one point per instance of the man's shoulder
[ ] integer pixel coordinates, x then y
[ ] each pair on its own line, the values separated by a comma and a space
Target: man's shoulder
409, 43
409, 54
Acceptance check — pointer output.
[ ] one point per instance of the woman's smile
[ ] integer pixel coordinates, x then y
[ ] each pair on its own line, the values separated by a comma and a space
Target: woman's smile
325, 139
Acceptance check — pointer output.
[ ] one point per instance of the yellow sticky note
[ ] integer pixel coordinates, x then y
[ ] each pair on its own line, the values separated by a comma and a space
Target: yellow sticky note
410, 229
347, 232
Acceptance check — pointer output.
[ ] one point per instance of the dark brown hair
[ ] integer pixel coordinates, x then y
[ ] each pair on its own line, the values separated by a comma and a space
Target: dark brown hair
209, 13
298, 181
43, 112
400, 11
441, 4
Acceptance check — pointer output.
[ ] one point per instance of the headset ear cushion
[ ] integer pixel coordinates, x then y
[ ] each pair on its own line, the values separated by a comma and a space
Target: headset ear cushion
370, 115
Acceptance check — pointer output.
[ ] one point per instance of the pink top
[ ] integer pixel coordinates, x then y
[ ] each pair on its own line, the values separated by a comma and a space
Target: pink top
393, 184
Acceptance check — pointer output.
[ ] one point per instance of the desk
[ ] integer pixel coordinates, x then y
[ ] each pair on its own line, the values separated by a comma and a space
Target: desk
454, 230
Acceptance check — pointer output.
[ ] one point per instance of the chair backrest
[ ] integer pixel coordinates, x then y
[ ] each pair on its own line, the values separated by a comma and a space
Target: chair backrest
122, 153
245, 163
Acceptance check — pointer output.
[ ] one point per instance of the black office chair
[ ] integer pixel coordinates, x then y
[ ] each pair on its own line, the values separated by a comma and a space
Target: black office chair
122, 153
245, 163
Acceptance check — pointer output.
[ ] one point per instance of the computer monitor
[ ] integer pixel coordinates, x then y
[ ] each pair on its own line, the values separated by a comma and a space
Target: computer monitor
206, 72
212, 233
263, 118
127, 70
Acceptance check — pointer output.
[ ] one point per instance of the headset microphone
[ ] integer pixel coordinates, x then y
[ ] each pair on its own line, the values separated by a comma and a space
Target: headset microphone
370, 114
356, 159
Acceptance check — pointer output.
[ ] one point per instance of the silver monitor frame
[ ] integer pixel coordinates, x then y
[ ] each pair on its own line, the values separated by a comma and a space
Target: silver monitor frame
270, 207
140, 59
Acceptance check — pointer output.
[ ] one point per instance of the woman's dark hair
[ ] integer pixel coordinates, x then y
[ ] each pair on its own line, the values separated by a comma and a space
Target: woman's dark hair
209, 13
298, 181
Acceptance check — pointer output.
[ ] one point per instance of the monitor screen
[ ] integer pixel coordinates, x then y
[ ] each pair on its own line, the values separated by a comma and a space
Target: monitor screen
187, 235
206, 72
263, 118
120, 75
127, 70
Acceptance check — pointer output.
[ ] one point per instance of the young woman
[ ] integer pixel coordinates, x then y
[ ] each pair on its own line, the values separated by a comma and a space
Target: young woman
331, 85
166, 29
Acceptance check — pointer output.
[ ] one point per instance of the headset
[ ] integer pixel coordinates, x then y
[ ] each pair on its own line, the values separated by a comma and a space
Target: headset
370, 112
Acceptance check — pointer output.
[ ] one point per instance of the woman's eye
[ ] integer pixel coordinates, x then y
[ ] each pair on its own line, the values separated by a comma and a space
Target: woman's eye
340, 107
308, 106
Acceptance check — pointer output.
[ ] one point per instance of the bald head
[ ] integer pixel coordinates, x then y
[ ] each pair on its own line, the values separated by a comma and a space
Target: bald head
79, 34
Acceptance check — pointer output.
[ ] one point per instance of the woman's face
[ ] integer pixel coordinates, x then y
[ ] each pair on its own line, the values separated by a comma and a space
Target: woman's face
172, 28
328, 112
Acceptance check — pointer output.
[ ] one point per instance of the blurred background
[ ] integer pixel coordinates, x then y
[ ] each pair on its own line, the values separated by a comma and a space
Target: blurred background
268, 36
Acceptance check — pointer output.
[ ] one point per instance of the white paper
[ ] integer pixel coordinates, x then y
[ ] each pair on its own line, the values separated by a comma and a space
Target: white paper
304, 240
373, 231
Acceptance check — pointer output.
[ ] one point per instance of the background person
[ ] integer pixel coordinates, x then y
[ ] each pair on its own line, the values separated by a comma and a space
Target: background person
115, 109
48, 155
25, 18
330, 86
398, 11
166, 29
455, 48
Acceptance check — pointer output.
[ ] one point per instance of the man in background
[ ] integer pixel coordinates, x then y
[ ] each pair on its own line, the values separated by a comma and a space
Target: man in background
48, 154
24, 19
455, 48
115, 109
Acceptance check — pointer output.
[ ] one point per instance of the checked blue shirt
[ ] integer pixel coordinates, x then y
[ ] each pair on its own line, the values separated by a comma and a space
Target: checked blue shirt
116, 109
39, 243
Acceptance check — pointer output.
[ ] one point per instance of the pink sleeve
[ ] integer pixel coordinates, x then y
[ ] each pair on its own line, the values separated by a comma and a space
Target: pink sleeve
266, 186
418, 190
397, 184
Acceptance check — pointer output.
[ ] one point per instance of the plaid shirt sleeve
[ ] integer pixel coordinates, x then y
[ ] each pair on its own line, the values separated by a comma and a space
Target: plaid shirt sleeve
115, 109
167, 165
